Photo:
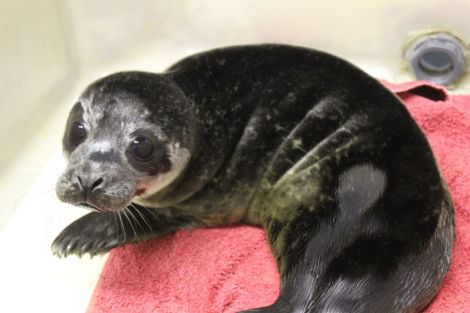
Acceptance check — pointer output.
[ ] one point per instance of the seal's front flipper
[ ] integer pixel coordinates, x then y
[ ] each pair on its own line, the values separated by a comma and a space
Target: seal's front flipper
93, 233
97, 233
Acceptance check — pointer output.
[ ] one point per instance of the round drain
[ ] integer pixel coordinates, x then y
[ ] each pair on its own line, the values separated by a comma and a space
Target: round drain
438, 58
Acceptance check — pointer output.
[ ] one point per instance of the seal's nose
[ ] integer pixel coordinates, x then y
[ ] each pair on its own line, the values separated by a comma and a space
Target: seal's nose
87, 184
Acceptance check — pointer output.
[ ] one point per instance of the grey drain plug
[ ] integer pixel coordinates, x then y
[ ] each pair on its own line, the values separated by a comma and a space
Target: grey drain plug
439, 58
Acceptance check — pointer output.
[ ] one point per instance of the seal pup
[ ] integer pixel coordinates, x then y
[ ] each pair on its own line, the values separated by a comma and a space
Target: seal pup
308, 146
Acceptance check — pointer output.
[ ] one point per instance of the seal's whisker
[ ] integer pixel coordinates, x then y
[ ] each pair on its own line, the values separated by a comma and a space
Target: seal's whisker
123, 228
130, 222
134, 218
40, 194
143, 217
152, 213
53, 217
116, 225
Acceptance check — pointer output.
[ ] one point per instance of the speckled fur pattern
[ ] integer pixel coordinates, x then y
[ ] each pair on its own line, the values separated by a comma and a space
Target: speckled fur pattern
300, 142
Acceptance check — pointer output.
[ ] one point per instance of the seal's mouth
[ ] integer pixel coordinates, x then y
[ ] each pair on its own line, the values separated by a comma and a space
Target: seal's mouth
139, 191
90, 206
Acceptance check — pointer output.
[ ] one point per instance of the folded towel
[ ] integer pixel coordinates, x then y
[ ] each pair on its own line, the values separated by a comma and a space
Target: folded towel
231, 269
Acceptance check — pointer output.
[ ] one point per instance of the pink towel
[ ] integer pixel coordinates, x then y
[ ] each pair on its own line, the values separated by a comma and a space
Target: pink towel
231, 269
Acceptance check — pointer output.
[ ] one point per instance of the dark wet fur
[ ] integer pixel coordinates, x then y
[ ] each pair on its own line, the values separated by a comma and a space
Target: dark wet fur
361, 222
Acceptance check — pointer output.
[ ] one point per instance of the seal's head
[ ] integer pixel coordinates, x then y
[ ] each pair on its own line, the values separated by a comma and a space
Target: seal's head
129, 134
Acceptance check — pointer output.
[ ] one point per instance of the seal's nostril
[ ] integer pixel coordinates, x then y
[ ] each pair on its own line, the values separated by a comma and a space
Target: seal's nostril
85, 183
97, 183
80, 182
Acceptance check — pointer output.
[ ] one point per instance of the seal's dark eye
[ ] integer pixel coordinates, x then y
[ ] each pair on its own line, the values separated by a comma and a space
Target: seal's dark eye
77, 133
142, 148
